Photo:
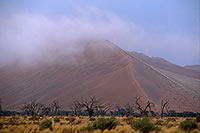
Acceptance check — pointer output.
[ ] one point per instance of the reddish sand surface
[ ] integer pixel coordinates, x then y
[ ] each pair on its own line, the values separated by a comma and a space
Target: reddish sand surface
101, 70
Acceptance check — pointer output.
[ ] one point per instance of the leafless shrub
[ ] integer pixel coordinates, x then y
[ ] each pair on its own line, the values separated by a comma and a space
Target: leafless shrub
32, 108
143, 110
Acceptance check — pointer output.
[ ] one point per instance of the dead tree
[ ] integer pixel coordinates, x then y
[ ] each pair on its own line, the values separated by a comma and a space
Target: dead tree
75, 107
128, 108
102, 109
90, 105
121, 111
143, 110
1, 104
150, 105
32, 108
54, 107
46, 110
164, 106
112, 110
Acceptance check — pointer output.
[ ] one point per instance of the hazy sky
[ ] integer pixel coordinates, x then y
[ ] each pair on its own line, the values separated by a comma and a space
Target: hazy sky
164, 28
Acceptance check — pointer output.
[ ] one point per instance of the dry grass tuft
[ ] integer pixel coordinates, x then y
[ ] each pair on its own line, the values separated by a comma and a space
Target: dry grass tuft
19, 124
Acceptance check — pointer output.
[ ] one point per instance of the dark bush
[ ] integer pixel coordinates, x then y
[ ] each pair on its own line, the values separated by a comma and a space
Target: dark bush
84, 129
92, 119
198, 118
145, 125
25, 117
56, 119
71, 119
36, 122
159, 122
46, 124
171, 119
103, 123
187, 125
1, 125
34, 118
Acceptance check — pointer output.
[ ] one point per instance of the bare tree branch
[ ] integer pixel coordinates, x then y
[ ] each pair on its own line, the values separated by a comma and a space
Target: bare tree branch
1, 104
32, 108
164, 105
75, 107
143, 111
128, 108
90, 105
54, 107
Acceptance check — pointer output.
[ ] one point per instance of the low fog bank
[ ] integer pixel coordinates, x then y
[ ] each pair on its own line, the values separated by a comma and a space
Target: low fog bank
28, 37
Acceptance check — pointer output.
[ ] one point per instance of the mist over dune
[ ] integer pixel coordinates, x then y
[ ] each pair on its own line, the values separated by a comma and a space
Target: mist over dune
29, 37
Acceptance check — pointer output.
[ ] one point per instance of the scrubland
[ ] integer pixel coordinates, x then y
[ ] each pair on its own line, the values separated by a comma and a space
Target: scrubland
61, 124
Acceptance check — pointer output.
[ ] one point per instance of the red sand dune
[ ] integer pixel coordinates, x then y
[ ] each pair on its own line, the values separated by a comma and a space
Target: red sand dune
102, 70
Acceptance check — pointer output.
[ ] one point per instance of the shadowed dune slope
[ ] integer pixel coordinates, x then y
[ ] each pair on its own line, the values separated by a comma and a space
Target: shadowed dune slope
163, 64
181, 76
102, 70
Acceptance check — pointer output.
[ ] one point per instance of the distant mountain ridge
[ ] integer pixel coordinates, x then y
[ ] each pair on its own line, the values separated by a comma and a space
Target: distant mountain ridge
193, 67
163, 64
